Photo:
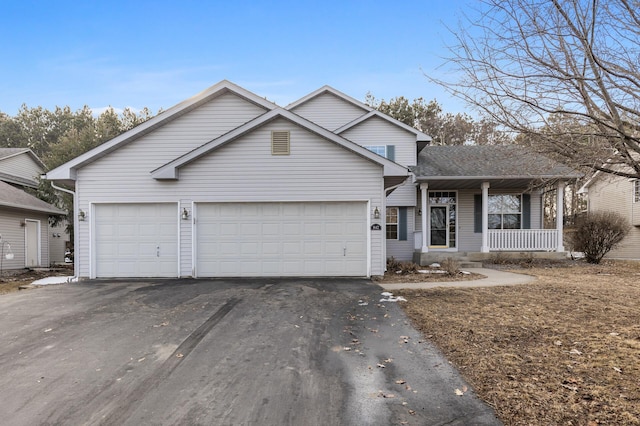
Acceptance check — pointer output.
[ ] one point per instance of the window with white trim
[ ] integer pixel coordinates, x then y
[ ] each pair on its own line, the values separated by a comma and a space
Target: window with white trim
636, 191
378, 149
505, 211
392, 223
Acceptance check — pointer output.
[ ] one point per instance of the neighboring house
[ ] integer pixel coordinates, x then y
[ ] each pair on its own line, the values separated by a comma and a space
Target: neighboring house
606, 192
229, 184
24, 219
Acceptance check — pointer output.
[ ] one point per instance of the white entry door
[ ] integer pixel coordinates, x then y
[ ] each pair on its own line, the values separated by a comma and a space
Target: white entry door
32, 239
136, 240
281, 239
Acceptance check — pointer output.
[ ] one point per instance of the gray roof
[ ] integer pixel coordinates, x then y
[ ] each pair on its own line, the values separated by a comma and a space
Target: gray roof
15, 198
488, 161
504, 164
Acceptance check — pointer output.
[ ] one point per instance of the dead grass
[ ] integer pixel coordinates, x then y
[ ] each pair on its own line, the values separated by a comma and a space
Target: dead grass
563, 350
11, 280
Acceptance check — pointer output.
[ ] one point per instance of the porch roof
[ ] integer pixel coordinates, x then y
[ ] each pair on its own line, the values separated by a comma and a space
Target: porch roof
467, 166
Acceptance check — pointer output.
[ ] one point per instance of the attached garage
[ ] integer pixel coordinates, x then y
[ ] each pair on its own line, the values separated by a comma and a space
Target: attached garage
136, 240
281, 239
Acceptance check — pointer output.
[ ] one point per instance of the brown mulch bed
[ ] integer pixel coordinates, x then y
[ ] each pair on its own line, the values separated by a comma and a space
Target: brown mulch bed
12, 280
562, 350
391, 277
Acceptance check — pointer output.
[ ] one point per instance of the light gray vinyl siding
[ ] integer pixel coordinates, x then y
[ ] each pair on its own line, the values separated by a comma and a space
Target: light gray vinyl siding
403, 250
404, 195
616, 195
329, 111
242, 171
13, 233
376, 131
22, 166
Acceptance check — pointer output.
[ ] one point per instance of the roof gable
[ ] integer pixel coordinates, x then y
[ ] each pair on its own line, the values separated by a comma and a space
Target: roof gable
67, 171
420, 137
20, 166
328, 89
170, 170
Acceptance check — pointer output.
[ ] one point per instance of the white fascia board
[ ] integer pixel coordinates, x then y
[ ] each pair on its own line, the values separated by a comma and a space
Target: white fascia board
67, 170
420, 137
170, 170
328, 89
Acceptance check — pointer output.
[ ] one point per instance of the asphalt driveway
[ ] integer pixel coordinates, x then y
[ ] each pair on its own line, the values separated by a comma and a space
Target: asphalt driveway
222, 352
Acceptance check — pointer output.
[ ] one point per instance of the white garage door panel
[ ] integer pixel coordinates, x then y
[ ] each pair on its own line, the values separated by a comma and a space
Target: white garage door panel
136, 240
281, 239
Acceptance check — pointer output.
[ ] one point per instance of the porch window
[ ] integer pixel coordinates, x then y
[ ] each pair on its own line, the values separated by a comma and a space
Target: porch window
505, 211
392, 223
636, 191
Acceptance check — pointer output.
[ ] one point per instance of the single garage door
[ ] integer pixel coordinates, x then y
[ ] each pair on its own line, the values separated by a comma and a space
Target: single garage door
136, 240
281, 239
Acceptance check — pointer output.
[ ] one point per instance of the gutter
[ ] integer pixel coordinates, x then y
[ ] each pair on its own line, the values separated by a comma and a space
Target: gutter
75, 227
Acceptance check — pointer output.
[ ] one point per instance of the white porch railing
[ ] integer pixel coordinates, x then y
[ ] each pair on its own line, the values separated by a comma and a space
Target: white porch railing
523, 239
513, 239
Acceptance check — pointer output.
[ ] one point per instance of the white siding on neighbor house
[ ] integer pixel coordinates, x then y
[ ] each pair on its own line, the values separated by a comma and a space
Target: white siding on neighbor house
14, 234
404, 195
377, 131
243, 170
616, 195
329, 111
403, 250
21, 165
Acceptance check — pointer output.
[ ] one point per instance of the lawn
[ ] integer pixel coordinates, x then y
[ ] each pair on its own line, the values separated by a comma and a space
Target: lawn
562, 350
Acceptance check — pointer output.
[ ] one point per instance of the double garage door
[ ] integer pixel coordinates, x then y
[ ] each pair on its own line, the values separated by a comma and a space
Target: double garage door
234, 239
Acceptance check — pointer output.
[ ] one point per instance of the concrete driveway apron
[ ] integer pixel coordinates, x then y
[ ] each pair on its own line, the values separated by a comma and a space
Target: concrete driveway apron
223, 352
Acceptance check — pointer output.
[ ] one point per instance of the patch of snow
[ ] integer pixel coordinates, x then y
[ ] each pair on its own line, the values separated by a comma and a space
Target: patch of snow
434, 265
465, 272
388, 297
55, 280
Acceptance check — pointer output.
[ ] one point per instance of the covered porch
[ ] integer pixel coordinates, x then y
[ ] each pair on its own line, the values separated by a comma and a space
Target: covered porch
480, 200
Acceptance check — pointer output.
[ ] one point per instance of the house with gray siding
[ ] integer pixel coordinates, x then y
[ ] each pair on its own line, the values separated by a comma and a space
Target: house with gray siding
609, 193
26, 238
227, 183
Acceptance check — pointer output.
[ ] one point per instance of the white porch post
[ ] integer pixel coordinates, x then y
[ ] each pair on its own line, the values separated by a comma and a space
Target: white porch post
485, 218
560, 215
424, 194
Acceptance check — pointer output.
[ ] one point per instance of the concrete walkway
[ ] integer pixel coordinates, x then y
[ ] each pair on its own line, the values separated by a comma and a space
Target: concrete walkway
493, 278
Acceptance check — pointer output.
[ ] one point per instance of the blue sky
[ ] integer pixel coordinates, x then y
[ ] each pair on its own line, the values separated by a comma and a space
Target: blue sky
157, 53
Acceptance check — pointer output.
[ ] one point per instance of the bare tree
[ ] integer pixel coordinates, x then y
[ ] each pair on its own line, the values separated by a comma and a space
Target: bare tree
532, 64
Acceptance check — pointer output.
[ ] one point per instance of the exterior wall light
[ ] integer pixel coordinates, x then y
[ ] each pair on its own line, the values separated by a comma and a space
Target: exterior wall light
185, 214
376, 213
82, 216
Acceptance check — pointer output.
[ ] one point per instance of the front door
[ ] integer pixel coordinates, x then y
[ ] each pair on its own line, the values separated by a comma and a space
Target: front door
439, 226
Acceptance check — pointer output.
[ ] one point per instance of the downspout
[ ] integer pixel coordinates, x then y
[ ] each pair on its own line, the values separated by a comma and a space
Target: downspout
75, 228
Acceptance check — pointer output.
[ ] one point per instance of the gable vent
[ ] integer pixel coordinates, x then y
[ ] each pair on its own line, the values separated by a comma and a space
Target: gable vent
280, 142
